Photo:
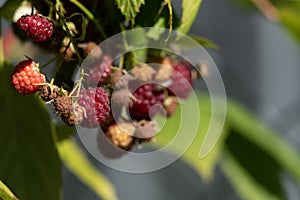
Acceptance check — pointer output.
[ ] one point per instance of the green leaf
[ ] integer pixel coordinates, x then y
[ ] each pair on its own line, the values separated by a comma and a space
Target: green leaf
76, 161
64, 132
29, 161
155, 33
241, 180
189, 12
242, 122
204, 42
9, 8
290, 18
205, 166
5, 192
130, 8
258, 163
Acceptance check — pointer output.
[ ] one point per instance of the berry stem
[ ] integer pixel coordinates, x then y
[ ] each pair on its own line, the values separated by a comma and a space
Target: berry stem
50, 61
63, 22
90, 16
78, 85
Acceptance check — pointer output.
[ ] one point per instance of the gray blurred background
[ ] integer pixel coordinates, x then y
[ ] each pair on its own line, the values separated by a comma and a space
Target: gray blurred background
260, 65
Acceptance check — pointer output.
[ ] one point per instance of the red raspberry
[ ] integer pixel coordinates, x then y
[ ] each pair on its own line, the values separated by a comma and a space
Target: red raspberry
96, 104
181, 80
26, 77
99, 73
37, 27
146, 97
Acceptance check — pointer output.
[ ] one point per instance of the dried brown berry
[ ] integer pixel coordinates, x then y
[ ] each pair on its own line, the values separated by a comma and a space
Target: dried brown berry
48, 92
121, 135
75, 116
62, 105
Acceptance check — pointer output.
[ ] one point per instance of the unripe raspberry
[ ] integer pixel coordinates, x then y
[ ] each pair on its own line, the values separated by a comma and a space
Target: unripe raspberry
121, 135
145, 130
37, 27
121, 98
170, 105
26, 77
164, 71
143, 72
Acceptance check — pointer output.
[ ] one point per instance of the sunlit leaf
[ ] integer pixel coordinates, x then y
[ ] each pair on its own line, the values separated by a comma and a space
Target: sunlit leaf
130, 8
204, 42
290, 18
189, 12
242, 122
77, 162
5, 192
29, 165
205, 166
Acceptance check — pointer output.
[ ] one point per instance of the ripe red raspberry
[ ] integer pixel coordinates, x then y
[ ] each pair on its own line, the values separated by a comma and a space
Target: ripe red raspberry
26, 77
146, 97
37, 27
99, 73
96, 104
181, 78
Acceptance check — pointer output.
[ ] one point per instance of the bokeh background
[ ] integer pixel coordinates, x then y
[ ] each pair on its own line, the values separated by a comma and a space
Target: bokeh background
260, 65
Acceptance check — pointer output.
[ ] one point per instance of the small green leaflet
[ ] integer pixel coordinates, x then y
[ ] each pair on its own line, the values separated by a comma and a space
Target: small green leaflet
130, 8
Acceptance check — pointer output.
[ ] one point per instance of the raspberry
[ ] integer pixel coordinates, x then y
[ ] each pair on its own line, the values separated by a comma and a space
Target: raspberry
75, 116
121, 135
121, 98
170, 105
26, 77
145, 130
96, 104
37, 27
143, 72
63, 105
181, 80
146, 97
48, 92
115, 77
99, 73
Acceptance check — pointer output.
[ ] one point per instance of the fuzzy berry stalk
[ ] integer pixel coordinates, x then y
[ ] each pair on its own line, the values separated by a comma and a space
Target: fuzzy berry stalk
26, 77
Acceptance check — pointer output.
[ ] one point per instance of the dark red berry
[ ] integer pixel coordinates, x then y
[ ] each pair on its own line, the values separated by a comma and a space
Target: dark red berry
95, 101
181, 78
147, 101
37, 27
100, 72
26, 77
